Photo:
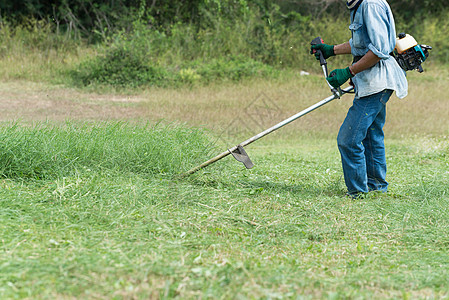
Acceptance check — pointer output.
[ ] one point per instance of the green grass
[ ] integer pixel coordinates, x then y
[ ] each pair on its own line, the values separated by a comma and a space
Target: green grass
48, 151
280, 230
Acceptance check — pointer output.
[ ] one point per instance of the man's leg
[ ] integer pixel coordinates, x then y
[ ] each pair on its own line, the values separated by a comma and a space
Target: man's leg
350, 139
376, 164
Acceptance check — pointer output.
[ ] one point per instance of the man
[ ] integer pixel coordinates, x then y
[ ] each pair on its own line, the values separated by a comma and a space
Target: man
375, 75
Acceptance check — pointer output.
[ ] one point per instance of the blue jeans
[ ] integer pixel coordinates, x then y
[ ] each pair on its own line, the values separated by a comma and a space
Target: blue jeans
361, 144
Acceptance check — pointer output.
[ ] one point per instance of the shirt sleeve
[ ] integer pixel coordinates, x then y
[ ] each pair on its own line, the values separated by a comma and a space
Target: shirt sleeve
378, 26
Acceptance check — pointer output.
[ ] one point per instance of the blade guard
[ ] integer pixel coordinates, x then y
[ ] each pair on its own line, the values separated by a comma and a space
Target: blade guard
241, 156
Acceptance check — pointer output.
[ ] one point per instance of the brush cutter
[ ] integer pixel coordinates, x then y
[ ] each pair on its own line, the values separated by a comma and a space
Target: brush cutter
239, 153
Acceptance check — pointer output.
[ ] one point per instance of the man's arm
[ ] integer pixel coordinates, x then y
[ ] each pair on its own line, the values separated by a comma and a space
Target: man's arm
367, 61
342, 49
339, 76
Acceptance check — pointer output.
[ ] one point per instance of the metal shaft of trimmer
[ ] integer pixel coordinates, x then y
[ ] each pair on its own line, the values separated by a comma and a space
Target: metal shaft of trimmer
334, 91
323, 63
270, 130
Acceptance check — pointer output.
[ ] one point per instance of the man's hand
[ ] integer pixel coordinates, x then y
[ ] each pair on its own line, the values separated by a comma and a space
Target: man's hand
327, 50
339, 76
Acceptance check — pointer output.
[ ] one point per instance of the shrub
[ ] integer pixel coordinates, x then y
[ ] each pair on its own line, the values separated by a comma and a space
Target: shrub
148, 57
119, 67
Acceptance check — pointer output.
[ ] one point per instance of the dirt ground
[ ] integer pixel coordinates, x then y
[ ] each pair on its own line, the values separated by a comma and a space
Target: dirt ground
26, 101
29, 101
222, 106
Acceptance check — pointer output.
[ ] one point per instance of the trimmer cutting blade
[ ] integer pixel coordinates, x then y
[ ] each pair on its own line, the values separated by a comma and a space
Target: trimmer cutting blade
241, 156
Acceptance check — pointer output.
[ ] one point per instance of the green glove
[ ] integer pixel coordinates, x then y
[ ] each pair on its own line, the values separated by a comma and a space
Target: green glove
339, 76
327, 50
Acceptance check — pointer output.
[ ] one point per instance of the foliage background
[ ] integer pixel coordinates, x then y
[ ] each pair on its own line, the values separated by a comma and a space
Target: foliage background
172, 43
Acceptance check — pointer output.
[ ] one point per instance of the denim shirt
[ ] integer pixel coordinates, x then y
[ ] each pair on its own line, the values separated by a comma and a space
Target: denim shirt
373, 29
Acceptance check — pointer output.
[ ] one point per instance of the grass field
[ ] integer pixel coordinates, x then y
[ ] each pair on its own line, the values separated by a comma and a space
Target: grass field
95, 207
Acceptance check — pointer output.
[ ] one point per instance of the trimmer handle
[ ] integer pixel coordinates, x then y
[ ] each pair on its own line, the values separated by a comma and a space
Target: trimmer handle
318, 41
323, 63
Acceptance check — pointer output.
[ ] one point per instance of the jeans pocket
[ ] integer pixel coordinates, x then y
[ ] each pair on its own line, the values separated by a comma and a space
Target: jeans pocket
385, 96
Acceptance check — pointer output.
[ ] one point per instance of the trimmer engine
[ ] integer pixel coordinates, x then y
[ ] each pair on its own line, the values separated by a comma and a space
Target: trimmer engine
409, 54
